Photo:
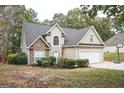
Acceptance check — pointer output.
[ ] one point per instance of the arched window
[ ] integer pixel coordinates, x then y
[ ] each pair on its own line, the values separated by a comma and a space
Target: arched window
56, 40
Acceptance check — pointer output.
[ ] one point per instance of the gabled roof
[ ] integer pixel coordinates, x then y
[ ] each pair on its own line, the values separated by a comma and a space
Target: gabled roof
74, 35
58, 27
37, 39
33, 31
116, 39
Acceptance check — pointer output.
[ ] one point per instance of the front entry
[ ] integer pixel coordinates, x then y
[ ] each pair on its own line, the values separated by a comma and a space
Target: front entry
56, 54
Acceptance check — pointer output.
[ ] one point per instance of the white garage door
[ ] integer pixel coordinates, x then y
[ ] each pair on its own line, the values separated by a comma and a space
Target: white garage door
93, 56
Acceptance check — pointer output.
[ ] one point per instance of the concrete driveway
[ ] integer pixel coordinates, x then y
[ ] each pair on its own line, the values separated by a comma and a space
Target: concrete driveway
109, 65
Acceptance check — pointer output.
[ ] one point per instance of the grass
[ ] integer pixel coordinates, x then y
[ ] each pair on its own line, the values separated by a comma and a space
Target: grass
28, 76
113, 57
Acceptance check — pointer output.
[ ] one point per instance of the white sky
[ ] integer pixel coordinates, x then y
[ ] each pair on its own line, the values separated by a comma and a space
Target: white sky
46, 10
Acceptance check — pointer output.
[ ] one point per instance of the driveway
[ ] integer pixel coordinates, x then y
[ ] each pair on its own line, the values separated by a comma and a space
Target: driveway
109, 65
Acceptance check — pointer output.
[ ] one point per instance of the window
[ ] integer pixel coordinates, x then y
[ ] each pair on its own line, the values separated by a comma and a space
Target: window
38, 55
56, 40
91, 38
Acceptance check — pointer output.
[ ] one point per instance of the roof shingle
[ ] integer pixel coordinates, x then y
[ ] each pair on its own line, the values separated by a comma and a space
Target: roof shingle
32, 31
116, 39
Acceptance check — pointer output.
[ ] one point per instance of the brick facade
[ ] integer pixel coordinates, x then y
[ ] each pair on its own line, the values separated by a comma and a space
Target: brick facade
39, 45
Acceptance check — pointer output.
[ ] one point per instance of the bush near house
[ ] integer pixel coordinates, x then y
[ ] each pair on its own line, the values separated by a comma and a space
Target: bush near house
45, 62
52, 60
18, 59
70, 63
82, 62
113, 57
11, 58
61, 62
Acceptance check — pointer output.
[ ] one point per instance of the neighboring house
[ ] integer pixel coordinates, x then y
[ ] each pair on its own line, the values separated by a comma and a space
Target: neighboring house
43, 41
113, 41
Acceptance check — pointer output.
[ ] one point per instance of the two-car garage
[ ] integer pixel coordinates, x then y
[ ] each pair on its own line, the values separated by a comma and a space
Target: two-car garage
94, 55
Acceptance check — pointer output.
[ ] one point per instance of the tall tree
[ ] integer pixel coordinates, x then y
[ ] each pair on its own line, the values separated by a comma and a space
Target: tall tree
14, 17
60, 19
79, 18
115, 12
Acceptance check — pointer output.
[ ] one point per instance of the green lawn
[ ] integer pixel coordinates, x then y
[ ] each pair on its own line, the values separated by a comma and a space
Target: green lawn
113, 57
28, 76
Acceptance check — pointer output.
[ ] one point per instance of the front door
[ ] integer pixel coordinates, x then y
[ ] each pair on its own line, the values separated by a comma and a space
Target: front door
56, 54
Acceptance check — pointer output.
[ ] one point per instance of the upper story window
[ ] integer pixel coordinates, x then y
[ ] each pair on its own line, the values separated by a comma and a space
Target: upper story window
56, 40
91, 38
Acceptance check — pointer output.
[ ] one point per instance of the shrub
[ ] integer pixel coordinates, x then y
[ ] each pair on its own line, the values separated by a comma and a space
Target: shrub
45, 63
70, 63
39, 62
19, 59
52, 60
82, 62
62, 61
11, 58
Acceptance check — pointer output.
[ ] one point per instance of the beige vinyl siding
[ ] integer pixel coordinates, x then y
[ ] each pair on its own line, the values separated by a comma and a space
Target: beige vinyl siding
55, 32
86, 39
69, 53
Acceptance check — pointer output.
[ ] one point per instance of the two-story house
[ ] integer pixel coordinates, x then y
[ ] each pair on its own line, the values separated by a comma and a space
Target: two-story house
43, 41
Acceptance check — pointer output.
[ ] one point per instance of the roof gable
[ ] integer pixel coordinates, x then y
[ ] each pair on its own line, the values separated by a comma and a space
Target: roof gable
97, 38
74, 35
57, 25
36, 41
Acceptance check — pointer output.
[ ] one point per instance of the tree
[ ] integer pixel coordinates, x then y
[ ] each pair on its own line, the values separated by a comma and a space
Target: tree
115, 12
15, 33
14, 17
79, 18
60, 19
103, 26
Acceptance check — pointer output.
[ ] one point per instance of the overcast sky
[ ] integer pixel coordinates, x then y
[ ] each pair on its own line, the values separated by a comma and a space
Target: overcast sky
46, 10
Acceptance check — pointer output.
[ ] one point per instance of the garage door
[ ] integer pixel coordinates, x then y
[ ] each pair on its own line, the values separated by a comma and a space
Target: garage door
93, 56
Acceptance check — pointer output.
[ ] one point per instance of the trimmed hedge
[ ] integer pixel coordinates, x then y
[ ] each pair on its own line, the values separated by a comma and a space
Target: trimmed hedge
82, 62
45, 62
18, 59
71, 63
62, 62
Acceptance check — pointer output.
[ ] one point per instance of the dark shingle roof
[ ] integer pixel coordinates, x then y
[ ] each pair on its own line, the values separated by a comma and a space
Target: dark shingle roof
32, 31
118, 38
74, 36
